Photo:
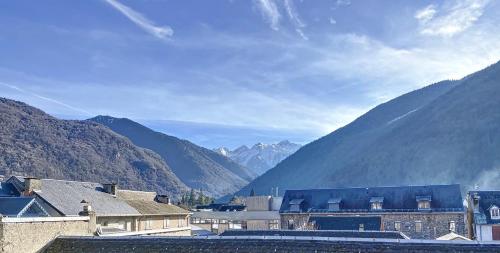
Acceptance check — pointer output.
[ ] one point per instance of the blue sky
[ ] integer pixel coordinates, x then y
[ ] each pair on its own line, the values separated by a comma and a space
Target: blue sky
232, 72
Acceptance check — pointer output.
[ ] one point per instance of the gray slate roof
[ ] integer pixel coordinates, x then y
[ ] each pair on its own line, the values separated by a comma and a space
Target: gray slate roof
395, 199
66, 196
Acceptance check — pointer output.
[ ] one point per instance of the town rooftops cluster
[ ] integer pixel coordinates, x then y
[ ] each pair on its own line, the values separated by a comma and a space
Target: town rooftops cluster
50, 197
374, 199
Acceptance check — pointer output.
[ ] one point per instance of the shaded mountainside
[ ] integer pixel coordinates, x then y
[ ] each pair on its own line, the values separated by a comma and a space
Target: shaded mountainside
197, 167
33, 143
261, 157
448, 132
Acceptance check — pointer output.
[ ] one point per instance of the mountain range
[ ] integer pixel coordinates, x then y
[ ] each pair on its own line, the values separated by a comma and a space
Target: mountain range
197, 167
447, 132
33, 143
260, 157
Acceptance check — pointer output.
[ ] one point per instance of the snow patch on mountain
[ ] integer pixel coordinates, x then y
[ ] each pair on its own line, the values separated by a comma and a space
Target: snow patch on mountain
261, 157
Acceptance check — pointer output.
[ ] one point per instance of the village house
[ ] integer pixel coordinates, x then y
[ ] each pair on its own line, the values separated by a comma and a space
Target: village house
483, 215
420, 212
117, 212
256, 213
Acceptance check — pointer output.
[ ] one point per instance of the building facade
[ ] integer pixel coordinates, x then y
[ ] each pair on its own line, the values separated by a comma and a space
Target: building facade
117, 212
483, 215
420, 212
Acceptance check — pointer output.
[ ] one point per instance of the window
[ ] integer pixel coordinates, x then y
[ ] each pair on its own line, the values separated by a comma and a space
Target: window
452, 226
295, 208
165, 222
424, 205
377, 206
274, 224
290, 224
333, 207
397, 226
361, 227
495, 213
147, 224
418, 226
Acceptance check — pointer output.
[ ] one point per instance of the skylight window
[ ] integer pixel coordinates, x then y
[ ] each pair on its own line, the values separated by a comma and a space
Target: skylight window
495, 213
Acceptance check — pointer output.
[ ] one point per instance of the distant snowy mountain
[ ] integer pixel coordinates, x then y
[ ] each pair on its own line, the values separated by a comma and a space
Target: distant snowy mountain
261, 157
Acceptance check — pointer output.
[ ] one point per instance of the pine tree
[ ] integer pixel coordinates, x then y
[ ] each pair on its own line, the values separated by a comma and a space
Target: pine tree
192, 198
252, 193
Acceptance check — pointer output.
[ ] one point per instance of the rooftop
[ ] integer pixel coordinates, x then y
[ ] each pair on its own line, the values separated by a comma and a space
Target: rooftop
250, 244
238, 215
20, 207
487, 200
393, 199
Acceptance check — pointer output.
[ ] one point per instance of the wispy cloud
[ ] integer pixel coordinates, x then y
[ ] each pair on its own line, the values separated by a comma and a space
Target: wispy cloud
294, 18
343, 2
426, 14
270, 12
16, 88
161, 32
450, 21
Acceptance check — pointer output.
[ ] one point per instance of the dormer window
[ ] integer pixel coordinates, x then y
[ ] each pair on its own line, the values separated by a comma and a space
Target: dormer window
424, 202
334, 204
295, 205
376, 203
495, 213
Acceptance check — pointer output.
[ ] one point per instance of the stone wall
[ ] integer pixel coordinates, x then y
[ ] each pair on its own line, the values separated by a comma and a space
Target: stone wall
261, 245
32, 234
434, 224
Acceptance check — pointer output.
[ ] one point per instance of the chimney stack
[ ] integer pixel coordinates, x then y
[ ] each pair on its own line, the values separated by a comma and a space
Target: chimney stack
111, 188
475, 202
31, 185
163, 199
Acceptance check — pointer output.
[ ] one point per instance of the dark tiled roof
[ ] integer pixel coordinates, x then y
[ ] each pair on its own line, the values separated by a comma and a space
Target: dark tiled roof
238, 216
19, 206
259, 244
316, 233
345, 223
7, 190
222, 207
403, 198
225, 208
487, 200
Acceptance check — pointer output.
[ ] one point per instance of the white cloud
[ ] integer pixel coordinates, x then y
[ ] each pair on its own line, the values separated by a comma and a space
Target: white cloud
161, 32
270, 12
426, 14
332, 21
451, 20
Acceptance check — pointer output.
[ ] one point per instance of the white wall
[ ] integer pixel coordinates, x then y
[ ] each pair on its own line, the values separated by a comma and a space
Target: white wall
484, 233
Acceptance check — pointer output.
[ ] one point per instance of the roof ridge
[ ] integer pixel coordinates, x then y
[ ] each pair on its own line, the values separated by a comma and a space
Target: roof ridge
373, 187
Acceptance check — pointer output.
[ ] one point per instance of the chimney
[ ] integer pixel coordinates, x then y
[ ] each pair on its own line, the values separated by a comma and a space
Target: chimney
87, 208
111, 188
475, 202
163, 199
32, 184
